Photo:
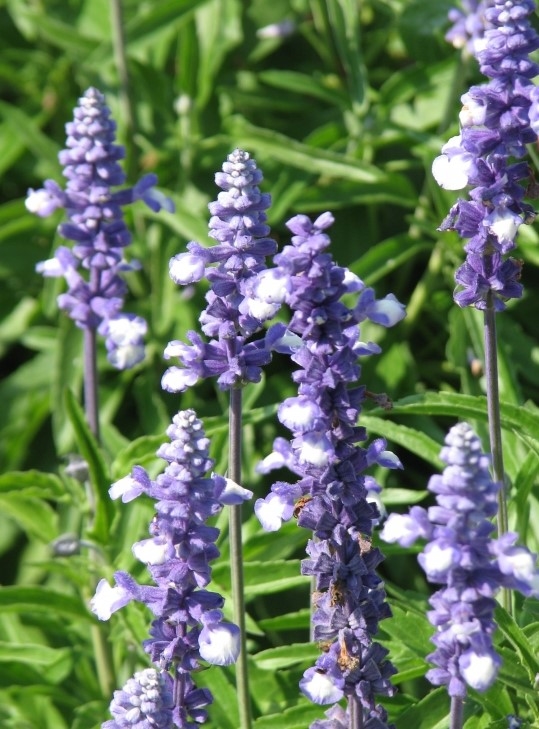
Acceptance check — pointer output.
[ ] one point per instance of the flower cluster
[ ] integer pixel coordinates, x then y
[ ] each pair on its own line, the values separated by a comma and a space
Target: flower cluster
462, 555
146, 700
233, 314
96, 226
469, 25
331, 497
189, 626
497, 120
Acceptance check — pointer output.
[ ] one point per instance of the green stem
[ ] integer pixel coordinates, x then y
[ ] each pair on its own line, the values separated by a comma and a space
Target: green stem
101, 648
120, 59
424, 288
103, 661
236, 557
91, 405
494, 422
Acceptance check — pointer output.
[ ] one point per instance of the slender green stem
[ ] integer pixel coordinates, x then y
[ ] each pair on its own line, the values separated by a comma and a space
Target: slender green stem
120, 59
102, 657
236, 557
494, 422
91, 406
101, 649
455, 716
424, 288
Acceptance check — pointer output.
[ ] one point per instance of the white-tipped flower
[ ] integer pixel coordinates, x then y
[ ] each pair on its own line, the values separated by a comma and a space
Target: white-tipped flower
219, 643
108, 599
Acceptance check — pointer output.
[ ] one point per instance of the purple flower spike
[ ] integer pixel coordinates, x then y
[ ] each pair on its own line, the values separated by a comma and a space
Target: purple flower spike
96, 226
334, 495
462, 555
146, 700
498, 121
238, 303
188, 627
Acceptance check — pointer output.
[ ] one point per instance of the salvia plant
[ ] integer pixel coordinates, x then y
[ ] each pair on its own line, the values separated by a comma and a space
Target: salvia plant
240, 489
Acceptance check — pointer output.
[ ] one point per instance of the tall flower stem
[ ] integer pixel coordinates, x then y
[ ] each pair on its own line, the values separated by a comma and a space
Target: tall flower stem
120, 57
455, 716
355, 712
101, 648
103, 660
236, 556
188, 626
91, 400
494, 422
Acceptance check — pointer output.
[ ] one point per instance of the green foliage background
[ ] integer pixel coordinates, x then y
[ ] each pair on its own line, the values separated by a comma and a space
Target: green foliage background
345, 114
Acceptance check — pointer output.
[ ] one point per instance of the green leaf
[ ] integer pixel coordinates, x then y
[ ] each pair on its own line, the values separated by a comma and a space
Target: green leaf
156, 17
298, 717
298, 620
514, 675
34, 516
11, 147
22, 599
15, 324
28, 130
519, 418
224, 711
140, 452
219, 31
431, 712
264, 578
275, 659
32, 483
345, 26
399, 497
387, 256
302, 84
519, 641
411, 439
60, 34
55, 663
315, 161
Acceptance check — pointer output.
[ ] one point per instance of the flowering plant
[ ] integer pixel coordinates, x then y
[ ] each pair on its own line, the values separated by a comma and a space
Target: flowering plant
311, 394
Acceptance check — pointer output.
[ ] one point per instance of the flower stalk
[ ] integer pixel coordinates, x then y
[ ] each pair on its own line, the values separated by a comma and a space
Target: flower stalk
93, 267
234, 313
188, 629
236, 557
331, 498
461, 554
498, 120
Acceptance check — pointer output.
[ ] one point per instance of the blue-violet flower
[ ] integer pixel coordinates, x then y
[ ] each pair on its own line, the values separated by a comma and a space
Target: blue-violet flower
462, 555
189, 627
92, 268
145, 702
331, 497
469, 25
498, 120
233, 313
